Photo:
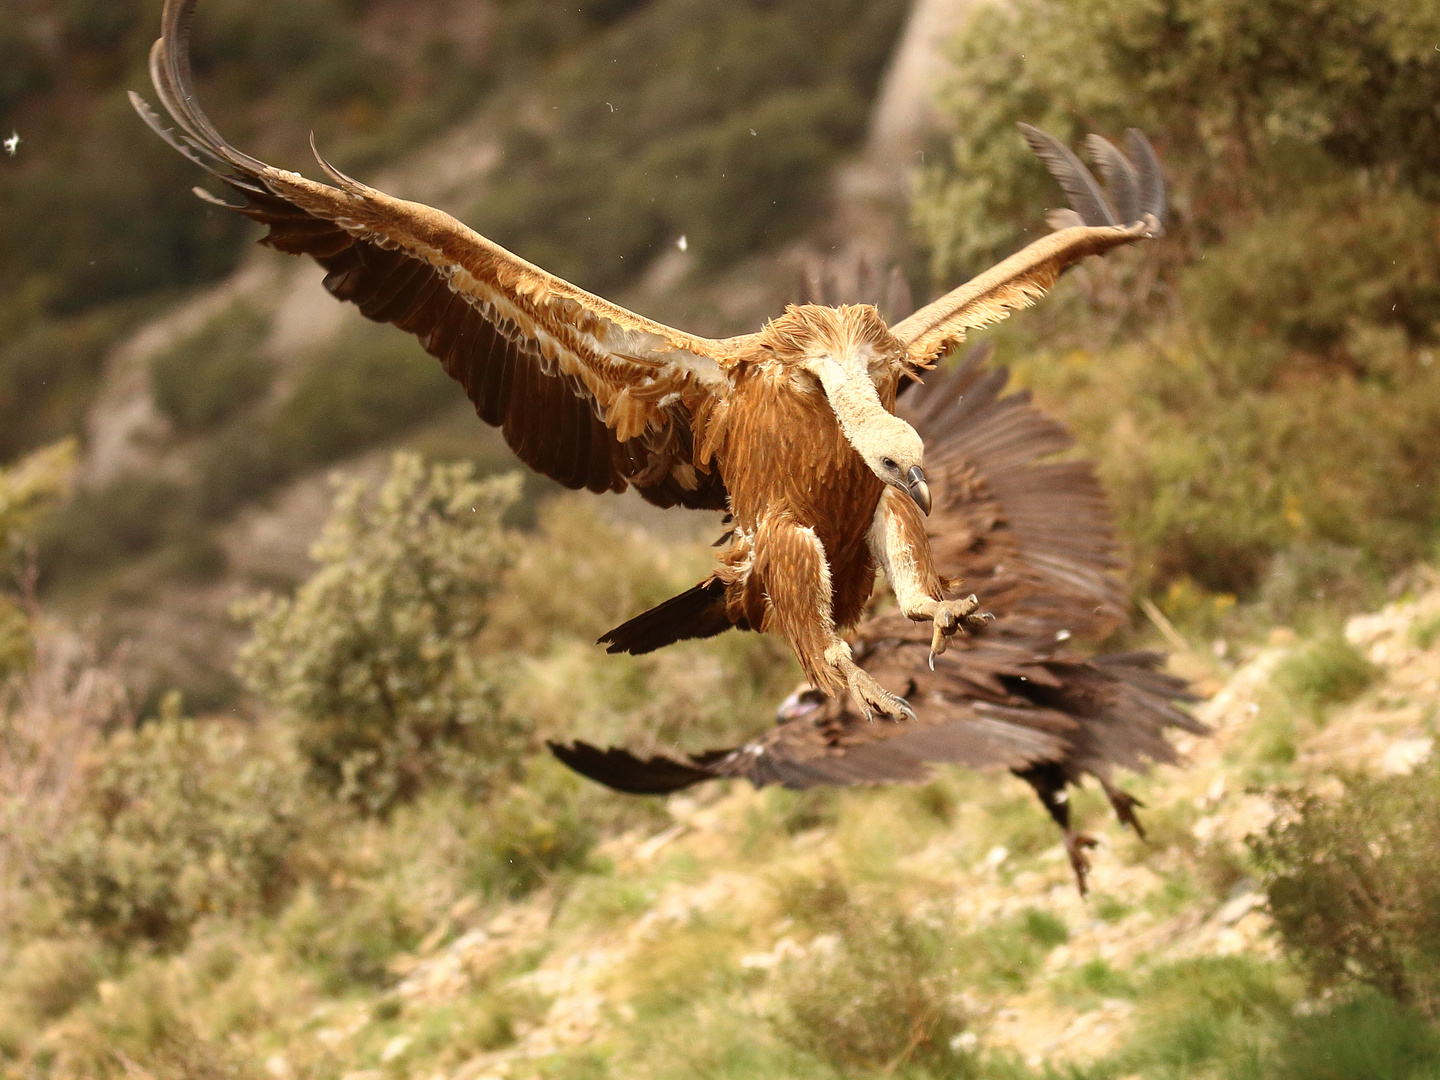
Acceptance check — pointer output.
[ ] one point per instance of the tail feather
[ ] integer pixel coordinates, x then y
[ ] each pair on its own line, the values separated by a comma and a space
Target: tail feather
695, 613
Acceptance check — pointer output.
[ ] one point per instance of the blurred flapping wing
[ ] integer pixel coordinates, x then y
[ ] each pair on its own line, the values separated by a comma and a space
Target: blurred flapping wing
586, 392
1033, 539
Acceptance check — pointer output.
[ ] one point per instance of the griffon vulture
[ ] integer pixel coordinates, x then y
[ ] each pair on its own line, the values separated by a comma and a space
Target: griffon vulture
791, 429
1034, 539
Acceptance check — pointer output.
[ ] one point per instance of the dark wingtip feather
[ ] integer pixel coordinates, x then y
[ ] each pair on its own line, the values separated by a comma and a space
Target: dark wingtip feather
1084, 191
698, 612
623, 771
1120, 177
1147, 168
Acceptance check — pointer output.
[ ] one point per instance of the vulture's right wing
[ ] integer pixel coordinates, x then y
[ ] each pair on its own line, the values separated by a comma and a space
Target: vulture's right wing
586, 392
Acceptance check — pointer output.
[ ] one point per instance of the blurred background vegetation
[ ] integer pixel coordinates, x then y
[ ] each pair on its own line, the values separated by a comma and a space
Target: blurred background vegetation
1261, 389
204, 873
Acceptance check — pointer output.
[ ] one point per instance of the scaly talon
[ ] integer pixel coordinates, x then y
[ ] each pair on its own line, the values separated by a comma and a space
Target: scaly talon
952, 616
871, 697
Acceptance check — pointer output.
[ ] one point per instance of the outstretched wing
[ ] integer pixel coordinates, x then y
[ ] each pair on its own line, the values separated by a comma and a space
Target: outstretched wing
998, 703
1093, 227
1001, 702
586, 392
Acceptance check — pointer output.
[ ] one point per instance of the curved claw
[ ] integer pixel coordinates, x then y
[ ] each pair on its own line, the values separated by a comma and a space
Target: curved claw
939, 642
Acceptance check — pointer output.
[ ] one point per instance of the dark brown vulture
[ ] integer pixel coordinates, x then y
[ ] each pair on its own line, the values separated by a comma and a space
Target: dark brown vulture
1034, 540
791, 429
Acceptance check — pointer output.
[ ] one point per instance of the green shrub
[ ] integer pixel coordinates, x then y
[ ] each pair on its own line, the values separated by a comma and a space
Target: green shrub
208, 377
47, 978
373, 657
16, 646
1329, 671
49, 368
1348, 885
1292, 402
178, 820
1425, 632
98, 24
1249, 101
1370, 1037
885, 995
28, 490
539, 827
132, 517
1311, 277
23, 66
1210, 1016
1045, 928
725, 134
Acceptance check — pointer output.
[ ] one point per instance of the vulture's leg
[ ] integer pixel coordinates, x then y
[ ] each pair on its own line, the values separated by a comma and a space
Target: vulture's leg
791, 567
1049, 781
902, 548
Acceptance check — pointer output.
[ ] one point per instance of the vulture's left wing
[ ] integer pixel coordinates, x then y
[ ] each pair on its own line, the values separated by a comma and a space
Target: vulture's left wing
586, 392
1133, 210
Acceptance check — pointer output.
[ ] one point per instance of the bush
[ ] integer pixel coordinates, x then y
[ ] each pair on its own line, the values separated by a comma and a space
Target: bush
49, 368
541, 826
1329, 671
178, 820
373, 657
1249, 101
1369, 1037
30, 488
1348, 885
27, 491
208, 377
884, 995
131, 517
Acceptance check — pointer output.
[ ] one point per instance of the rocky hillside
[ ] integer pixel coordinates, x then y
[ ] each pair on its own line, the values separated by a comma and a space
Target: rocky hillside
554, 930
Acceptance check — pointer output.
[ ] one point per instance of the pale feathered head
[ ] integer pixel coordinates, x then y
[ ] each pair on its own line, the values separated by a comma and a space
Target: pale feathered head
847, 349
893, 450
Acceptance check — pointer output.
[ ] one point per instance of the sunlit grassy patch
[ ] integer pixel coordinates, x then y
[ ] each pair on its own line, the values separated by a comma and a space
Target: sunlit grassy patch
1326, 672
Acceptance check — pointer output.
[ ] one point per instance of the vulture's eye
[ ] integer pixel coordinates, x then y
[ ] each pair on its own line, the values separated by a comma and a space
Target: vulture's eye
889, 463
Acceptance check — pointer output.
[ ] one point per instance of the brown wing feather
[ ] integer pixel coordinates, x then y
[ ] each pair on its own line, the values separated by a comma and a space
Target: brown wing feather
1033, 540
1032, 272
586, 392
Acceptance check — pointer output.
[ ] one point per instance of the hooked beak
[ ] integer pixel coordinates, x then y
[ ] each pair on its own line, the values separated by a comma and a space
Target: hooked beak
919, 489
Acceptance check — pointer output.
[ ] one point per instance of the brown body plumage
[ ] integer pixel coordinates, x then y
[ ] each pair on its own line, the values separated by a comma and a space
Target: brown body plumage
791, 429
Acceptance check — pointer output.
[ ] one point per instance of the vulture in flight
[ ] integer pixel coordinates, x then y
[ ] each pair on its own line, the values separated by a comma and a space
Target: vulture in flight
792, 430
1034, 539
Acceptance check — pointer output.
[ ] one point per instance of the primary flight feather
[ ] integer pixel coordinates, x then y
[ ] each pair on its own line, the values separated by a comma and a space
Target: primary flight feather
791, 429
